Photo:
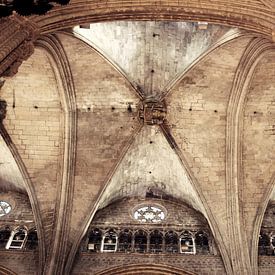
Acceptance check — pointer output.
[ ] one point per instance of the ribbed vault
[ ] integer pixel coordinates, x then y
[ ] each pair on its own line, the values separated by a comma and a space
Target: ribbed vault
96, 149
151, 165
153, 53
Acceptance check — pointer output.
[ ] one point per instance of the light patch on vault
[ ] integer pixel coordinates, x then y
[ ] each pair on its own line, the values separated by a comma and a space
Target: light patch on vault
151, 54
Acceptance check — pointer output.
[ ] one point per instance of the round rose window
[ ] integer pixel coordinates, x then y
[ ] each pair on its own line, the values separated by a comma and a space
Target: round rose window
5, 208
149, 214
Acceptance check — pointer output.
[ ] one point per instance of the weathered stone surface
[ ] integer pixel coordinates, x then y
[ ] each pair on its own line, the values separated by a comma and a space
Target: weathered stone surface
34, 124
154, 53
258, 161
151, 55
105, 125
204, 265
196, 114
145, 167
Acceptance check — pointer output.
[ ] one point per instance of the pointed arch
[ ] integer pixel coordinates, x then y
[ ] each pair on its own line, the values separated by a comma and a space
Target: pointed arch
251, 16
254, 51
145, 269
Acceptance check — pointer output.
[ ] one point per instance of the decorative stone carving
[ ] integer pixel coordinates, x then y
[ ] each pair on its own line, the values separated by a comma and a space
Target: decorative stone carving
16, 43
152, 111
23, 52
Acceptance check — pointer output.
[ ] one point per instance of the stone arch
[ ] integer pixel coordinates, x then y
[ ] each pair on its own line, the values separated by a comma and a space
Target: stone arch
144, 269
27, 186
248, 16
254, 222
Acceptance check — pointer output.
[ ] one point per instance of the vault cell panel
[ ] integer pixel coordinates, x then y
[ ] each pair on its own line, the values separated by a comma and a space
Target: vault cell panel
152, 53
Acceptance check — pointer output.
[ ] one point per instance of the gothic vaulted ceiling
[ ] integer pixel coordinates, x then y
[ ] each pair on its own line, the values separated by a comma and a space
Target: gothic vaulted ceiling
119, 109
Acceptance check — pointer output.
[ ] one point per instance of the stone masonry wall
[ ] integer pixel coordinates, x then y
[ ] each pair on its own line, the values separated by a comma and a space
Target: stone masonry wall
121, 213
20, 262
202, 265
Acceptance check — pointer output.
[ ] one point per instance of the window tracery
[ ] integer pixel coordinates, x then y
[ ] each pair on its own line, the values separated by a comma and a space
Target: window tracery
151, 230
202, 243
5, 208
140, 241
95, 238
109, 241
152, 241
18, 239
187, 243
171, 242
125, 241
149, 214
156, 242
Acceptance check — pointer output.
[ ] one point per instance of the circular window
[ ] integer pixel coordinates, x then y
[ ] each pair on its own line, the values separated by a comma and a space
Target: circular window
149, 213
5, 208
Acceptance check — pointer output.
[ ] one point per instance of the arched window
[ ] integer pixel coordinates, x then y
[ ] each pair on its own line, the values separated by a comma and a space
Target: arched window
32, 240
17, 239
95, 238
140, 241
125, 241
201, 241
4, 237
187, 244
264, 247
156, 242
109, 241
171, 242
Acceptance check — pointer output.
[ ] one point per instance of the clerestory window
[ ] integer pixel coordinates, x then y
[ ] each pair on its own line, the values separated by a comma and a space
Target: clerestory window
17, 239
187, 243
109, 241
95, 239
